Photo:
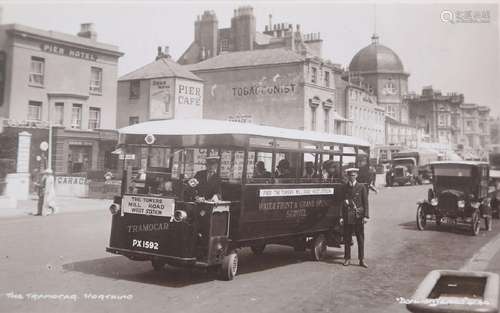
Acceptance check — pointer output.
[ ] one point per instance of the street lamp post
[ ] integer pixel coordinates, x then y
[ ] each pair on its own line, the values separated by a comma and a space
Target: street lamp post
49, 156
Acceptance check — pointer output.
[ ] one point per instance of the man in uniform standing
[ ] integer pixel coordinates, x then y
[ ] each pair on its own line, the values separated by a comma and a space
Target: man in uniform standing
355, 214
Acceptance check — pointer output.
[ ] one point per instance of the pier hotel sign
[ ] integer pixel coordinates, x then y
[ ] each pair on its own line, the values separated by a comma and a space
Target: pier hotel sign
68, 51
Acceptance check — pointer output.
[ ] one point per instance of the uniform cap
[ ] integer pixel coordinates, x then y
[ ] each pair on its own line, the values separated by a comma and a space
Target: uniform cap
328, 164
352, 169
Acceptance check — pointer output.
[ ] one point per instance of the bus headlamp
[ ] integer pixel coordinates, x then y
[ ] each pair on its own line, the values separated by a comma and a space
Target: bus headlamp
461, 204
180, 216
114, 208
434, 201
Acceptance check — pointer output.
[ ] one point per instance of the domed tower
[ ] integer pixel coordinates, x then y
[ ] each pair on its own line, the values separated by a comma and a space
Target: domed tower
381, 70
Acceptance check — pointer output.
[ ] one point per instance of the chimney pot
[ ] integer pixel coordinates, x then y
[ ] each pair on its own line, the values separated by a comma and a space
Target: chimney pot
87, 31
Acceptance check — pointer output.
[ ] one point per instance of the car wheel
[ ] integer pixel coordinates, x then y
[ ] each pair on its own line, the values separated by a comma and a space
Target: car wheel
258, 249
229, 266
318, 250
475, 223
157, 265
421, 218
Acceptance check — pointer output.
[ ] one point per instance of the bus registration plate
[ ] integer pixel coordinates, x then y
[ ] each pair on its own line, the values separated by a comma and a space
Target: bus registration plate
143, 205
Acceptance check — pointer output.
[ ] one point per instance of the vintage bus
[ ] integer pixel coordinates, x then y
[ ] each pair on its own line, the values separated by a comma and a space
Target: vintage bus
156, 218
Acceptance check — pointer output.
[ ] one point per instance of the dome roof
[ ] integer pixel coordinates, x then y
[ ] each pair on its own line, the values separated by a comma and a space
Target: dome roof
376, 58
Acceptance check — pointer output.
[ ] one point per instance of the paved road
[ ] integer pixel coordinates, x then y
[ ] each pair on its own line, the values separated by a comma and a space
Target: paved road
64, 255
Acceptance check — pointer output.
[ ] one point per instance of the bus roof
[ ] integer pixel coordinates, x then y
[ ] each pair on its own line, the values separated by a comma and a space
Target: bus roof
470, 163
217, 127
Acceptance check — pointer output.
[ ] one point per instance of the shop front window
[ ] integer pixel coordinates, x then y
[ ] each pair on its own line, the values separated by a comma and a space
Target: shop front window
79, 159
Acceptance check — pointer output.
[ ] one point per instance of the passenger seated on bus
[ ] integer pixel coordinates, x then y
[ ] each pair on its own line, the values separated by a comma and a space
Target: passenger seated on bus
310, 170
260, 170
331, 169
283, 169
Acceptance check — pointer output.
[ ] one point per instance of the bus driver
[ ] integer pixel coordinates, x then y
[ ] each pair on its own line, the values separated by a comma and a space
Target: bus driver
209, 183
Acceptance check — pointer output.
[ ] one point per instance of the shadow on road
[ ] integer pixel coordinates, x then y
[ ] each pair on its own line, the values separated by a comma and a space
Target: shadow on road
443, 228
121, 268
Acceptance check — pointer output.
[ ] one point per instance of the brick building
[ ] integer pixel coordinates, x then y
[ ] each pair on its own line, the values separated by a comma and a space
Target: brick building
67, 79
210, 40
278, 87
447, 119
162, 89
379, 70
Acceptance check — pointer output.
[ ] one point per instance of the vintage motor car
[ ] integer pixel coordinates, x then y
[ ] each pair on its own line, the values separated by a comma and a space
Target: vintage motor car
411, 166
404, 171
459, 195
273, 191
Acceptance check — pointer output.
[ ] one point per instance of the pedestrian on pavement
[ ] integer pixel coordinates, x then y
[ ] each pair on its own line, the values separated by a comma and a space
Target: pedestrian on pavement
41, 192
355, 213
50, 206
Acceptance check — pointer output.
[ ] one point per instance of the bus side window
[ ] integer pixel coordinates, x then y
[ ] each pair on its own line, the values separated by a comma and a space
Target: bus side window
259, 166
348, 161
311, 166
287, 166
231, 165
331, 167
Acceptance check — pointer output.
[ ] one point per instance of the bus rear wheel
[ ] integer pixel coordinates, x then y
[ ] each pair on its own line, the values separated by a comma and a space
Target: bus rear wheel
318, 250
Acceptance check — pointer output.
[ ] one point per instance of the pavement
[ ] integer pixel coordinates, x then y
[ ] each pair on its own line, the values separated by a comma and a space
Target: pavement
46, 261
64, 204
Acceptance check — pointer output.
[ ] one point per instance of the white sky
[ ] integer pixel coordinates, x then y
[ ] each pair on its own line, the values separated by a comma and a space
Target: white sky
452, 57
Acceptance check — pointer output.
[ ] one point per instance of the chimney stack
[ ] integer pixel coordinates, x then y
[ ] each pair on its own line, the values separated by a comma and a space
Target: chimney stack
87, 31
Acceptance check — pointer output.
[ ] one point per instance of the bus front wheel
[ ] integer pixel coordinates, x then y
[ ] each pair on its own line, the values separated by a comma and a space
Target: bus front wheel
157, 265
229, 266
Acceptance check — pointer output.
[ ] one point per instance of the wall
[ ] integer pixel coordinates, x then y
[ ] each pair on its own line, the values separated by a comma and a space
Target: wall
277, 96
368, 118
323, 94
128, 107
